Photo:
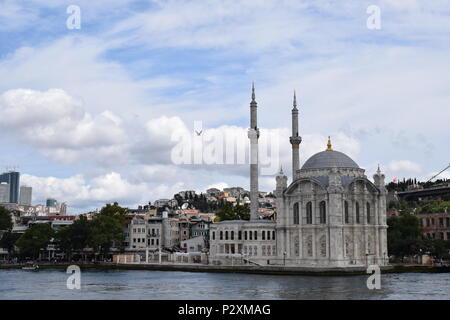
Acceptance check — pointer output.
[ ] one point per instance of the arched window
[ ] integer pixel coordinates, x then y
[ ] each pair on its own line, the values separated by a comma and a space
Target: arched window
221, 235
296, 212
323, 213
368, 212
232, 235
309, 213
256, 235
226, 235
346, 218
357, 212
245, 235
263, 235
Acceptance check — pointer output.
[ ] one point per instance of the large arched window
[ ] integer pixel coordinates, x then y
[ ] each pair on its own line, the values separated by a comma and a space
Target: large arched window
323, 212
296, 214
357, 212
309, 213
368, 212
226, 235
346, 217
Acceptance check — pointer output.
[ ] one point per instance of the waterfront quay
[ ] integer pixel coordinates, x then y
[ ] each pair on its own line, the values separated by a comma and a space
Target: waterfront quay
244, 269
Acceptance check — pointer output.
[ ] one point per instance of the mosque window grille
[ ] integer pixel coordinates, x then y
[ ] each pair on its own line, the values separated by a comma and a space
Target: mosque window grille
309, 213
296, 213
357, 212
346, 215
322, 212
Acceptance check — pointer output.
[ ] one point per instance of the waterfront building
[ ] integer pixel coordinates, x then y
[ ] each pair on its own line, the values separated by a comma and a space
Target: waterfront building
195, 244
12, 178
154, 232
142, 232
201, 228
138, 232
25, 195
435, 225
170, 232
330, 215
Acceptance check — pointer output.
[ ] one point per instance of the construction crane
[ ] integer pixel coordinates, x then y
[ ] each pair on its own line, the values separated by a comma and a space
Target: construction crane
438, 173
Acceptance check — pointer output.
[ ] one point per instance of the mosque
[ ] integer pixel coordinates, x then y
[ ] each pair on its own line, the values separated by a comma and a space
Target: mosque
329, 216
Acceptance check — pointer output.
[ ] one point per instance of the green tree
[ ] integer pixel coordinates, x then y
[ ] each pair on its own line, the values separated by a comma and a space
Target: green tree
5, 220
113, 210
74, 237
404, 235
34, 239
8, 241
229, 212
63, 239
80, 233
105, 231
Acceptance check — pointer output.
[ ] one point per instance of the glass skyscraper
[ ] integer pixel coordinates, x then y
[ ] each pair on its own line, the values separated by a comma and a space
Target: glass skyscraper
12, 178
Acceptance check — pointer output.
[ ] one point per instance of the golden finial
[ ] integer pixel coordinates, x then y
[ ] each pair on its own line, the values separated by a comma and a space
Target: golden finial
329, 148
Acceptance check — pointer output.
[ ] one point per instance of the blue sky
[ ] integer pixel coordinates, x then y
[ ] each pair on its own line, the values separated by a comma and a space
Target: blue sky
88, 114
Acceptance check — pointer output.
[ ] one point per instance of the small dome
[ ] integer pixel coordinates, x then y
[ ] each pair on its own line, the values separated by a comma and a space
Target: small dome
329, 159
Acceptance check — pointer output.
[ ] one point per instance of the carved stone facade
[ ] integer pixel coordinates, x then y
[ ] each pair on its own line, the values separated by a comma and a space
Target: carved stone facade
337, 212
330, 216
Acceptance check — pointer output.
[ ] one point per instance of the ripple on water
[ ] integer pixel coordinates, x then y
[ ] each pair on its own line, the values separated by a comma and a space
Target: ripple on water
141, 284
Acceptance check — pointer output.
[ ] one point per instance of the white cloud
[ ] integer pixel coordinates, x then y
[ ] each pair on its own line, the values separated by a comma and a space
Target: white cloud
55, 123
81, 193
404, 166
381, 95
14, 16
218, 185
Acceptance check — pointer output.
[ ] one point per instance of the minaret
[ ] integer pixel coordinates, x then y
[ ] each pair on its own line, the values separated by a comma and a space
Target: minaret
378, 179
253, 135
295, 140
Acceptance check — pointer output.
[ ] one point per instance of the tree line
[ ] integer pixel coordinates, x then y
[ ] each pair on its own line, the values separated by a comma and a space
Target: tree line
101, 233
405, 239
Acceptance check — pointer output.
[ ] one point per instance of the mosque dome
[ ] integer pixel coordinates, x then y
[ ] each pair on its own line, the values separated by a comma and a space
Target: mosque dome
329, 159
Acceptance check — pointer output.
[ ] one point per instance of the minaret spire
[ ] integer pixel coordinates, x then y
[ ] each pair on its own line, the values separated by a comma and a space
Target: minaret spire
295, 101
329, 146
295, 140
253, 91
253, 135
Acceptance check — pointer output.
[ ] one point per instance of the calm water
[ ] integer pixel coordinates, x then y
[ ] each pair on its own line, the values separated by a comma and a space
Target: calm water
51, 284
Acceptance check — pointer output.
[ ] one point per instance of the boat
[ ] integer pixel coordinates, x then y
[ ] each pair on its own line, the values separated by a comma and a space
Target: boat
30, 266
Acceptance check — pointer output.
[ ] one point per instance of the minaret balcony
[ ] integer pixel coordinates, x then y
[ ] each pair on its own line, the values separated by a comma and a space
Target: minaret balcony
253, 134
295, 140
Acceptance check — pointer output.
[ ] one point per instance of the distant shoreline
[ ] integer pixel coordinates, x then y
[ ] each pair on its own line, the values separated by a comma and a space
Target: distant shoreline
269, 270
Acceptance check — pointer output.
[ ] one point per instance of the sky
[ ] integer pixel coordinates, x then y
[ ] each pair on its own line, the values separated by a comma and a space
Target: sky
102, 112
